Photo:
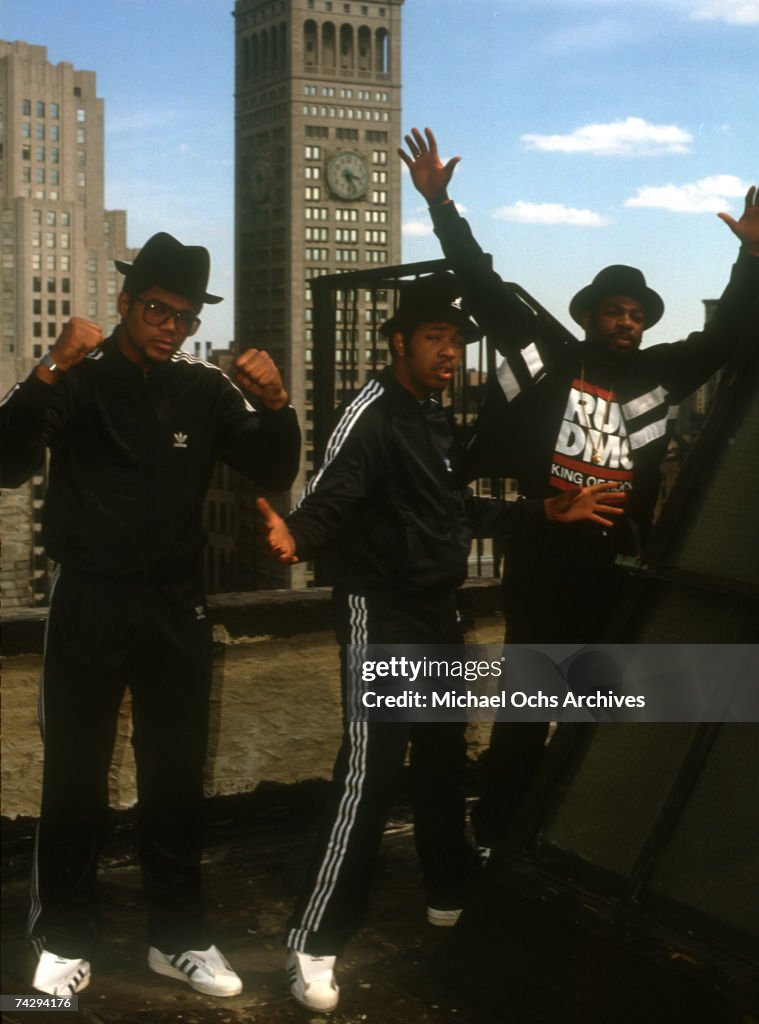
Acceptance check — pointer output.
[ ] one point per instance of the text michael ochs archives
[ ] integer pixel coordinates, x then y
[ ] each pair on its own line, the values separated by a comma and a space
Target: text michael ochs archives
561, 682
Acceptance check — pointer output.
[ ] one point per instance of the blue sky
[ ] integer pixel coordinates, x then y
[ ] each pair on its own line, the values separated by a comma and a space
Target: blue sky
591, 131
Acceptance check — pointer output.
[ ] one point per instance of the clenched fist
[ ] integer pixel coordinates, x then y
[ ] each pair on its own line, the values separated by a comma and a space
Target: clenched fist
77, 339
257, 373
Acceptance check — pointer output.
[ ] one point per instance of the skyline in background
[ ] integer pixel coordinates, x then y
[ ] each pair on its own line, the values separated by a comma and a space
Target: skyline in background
591, 131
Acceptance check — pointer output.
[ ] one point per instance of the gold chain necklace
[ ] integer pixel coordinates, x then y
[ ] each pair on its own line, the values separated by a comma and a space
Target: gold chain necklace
596, 457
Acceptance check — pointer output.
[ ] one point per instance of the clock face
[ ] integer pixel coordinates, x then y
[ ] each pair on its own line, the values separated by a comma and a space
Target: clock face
348, 175
260, 180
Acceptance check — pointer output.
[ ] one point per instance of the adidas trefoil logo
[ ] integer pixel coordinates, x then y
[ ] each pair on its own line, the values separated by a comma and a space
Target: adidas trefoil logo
200, 612
456, 304
180, 440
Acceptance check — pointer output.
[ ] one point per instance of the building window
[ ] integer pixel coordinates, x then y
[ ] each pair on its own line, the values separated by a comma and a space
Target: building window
39, 131
40, 108
50, 239
37, 307
51, 307
52, 330
50, 285
39, 153
26, 106
37, 284
50, 218
313, 152
55, 110
81, 136
81, 115
54, 155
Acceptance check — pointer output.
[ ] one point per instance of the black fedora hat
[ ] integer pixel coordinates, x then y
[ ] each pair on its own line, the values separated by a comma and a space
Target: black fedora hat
436, 298
617, 280
163, 262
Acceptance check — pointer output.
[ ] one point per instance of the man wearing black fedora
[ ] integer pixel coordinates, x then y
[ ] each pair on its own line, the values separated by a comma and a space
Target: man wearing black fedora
563, 414
390, 504
134, 428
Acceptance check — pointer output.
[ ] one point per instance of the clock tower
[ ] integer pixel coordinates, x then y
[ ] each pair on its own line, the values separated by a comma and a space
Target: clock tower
318, 181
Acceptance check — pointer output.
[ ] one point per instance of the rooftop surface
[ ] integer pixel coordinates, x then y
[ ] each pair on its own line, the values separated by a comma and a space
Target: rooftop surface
540, 968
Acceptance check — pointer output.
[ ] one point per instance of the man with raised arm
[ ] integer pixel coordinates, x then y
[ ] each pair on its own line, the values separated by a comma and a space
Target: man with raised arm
134, 428
566, 414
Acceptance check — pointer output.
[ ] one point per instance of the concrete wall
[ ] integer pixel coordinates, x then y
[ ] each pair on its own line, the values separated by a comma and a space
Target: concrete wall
275, 704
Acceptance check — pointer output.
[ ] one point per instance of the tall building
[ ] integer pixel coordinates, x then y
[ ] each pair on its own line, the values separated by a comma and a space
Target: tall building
318, 182
56, 260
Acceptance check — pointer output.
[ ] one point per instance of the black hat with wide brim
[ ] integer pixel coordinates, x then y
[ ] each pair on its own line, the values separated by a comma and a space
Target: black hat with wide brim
617, 280
163, 262
435, 298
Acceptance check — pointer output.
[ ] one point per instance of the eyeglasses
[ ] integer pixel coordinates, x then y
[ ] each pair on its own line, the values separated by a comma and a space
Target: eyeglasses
156, 313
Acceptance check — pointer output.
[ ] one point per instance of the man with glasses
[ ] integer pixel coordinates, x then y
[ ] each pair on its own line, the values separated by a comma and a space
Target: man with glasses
134, 427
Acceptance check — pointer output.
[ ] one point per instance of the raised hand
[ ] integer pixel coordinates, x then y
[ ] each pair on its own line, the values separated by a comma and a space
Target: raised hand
77, 339
258, 373
747, 228
429, 175
586, 503
280, 541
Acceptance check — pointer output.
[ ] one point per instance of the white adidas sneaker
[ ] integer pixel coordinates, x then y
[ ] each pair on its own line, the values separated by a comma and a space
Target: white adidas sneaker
60, 975
443, 918
312, 981
205, 970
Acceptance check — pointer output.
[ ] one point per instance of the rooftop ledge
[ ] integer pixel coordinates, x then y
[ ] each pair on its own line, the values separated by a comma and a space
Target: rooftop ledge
277, 613
275, 698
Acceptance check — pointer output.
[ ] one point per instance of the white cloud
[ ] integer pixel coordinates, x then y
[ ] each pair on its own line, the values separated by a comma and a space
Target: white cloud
734, 12
549, 213
708, 195
417, 229
632, 137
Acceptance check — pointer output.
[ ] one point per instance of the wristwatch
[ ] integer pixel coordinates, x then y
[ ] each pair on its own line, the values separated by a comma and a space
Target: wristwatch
47, 360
